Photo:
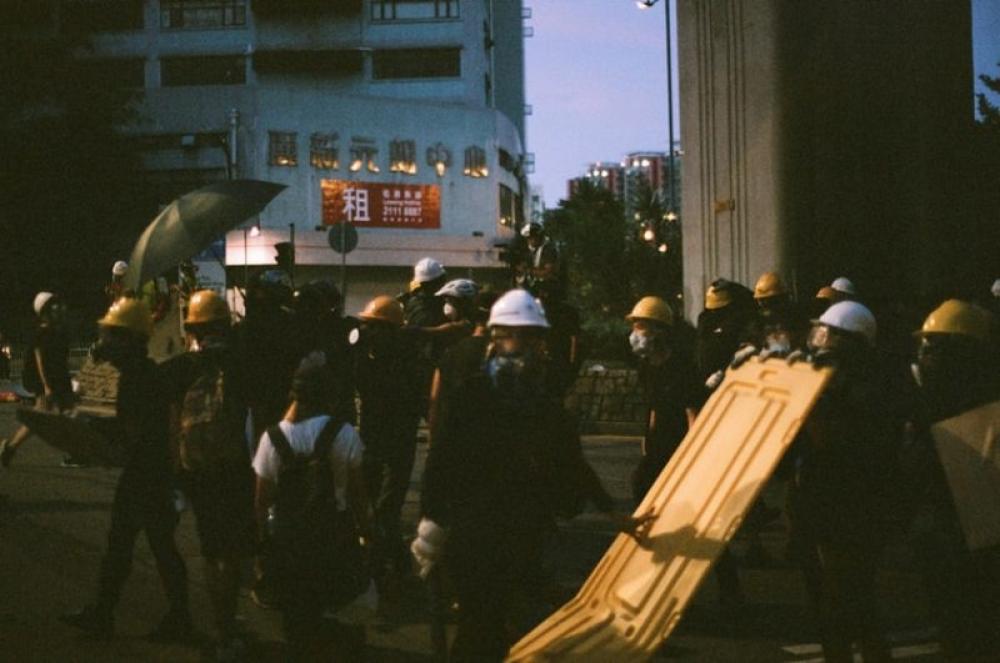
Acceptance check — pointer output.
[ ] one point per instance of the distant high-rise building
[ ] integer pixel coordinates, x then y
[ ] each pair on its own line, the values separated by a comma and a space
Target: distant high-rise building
623, 178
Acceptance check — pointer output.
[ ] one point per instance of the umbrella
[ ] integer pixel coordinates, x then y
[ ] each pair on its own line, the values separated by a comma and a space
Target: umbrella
192, 222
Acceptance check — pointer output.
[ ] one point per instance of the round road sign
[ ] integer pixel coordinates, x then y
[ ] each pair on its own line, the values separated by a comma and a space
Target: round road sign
343, 237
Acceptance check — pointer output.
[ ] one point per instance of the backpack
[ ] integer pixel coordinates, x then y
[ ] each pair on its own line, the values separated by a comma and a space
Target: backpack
312, 539
206, 437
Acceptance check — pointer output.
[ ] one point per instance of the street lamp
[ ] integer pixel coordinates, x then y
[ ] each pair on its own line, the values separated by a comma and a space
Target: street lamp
646, 4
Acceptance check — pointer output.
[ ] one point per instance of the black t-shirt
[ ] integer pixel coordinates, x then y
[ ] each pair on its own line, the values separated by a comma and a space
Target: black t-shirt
53, 345
143, 422
387, 378
670, 388
499, 463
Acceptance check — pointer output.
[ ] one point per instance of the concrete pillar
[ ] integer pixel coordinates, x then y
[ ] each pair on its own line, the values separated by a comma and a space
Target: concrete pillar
824, 139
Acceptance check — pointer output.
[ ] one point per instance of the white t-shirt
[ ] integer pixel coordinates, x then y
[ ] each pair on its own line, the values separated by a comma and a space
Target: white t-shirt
345, 454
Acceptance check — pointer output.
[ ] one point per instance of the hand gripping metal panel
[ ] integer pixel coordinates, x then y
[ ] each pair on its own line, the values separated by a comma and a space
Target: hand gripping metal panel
969, 448
637, 593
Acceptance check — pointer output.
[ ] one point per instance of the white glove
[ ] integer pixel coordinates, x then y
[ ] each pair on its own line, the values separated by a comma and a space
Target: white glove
715, 379
428, 546
742, 355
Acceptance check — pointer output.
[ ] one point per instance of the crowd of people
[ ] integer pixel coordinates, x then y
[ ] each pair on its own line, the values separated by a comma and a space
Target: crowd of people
292, 435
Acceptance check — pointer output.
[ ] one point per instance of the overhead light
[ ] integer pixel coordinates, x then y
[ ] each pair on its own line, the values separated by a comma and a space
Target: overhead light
662, 248
355, 165
648, 235
255, 230
671, 216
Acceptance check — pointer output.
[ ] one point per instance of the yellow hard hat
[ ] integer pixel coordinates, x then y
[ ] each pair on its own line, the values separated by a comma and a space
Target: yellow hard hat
718, 296
768, 285
651, 308
129, 313
957, 317
384, 308
206, 306
826, 292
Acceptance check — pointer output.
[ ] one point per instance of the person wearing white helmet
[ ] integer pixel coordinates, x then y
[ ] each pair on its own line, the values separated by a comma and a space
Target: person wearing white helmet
504, 462
46, 370
115, 288
843, 290
839, 499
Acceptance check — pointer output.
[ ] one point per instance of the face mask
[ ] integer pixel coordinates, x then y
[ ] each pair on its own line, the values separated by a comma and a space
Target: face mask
450, 311
645, 344
517, 376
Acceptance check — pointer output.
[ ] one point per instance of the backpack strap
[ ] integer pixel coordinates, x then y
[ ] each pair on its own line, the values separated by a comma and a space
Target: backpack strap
281, 444
324, 443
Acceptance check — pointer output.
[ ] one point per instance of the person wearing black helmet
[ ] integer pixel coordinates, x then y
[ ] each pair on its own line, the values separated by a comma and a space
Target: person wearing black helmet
322, 326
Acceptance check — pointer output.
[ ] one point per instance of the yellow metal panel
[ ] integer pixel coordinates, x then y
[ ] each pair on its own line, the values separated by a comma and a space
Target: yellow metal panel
968, 448
637, 593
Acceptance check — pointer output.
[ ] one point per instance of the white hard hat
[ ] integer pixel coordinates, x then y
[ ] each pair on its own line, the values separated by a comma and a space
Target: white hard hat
463, 288
517, 308
120, 268
851, 317
427, 269
844, 285
529, 229
41, 299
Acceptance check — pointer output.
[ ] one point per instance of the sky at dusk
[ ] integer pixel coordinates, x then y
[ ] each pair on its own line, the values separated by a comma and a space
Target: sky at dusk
596, 81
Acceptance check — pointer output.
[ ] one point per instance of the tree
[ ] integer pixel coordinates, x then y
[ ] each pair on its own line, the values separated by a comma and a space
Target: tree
610, 263
71, 200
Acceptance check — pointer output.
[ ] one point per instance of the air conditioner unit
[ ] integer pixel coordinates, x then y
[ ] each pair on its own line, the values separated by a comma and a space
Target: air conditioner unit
188, 141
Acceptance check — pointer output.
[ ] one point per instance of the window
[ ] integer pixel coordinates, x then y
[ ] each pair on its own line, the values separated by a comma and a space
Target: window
439, 158
282, 148
507, 214
475, 162
403, 157
323, 151
414, 10
179, 14
417, 63
104, 15
204, 70
507, 161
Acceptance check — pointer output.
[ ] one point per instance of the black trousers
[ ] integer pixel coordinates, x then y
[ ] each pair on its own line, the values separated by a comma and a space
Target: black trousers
142, 504
492, 571
390, 451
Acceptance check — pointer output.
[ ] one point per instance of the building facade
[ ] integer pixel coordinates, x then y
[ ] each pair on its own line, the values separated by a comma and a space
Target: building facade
624, 178
404, 118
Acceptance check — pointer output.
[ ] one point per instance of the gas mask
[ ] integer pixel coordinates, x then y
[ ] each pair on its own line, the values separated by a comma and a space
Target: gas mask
517, 376
118, 348
645, 344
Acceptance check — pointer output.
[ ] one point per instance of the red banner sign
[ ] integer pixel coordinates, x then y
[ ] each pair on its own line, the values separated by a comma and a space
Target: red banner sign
377, 205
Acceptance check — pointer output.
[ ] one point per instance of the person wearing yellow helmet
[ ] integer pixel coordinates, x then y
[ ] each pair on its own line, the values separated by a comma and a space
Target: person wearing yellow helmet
391, 388
728, 311
144, 500
663, 347
209, 389
957, 369
780, 327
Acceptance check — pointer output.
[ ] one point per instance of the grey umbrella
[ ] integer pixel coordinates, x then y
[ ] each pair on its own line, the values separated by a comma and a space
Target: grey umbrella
192, 222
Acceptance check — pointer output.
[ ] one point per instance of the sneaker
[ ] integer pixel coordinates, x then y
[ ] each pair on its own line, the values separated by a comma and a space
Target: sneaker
73, 462
95, 623
6, 453
174, 627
